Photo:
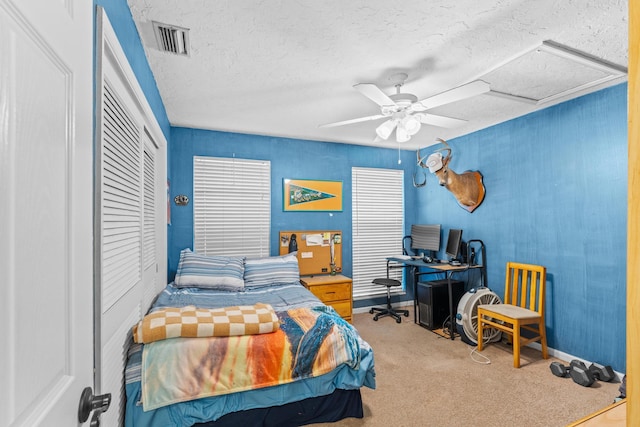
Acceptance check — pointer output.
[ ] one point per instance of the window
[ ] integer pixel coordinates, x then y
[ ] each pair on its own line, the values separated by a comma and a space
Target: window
378, 227
231, 206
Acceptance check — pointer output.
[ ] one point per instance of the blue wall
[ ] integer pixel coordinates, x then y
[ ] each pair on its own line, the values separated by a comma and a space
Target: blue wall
290, 158
556, 184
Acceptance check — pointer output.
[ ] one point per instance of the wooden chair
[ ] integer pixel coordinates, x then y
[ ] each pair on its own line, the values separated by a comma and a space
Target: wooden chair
523, 308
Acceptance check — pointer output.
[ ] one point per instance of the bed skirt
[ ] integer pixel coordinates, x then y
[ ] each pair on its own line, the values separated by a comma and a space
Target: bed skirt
322, 409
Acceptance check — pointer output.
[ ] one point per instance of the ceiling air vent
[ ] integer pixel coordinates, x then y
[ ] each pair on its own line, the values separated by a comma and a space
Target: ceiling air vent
172, 39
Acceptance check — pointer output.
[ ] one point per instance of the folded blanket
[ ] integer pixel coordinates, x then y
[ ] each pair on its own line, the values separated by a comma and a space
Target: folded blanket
192, 322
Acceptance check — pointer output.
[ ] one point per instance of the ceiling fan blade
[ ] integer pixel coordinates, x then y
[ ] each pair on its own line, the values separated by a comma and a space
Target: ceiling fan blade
374, 93
440, 121
348, 122
474, 88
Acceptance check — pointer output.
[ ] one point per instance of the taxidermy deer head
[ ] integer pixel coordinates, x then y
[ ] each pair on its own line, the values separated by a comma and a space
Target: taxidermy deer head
467, 187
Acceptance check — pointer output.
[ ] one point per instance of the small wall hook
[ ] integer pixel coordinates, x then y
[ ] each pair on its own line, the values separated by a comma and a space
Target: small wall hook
181, 200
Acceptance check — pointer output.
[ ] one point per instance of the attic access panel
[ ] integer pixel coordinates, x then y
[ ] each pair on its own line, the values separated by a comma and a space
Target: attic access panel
548, 72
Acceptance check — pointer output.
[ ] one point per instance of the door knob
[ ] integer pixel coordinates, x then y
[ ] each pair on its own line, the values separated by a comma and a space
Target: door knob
89, 402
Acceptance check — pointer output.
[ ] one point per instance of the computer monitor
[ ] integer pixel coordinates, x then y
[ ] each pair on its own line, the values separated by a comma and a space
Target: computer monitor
425, 237
453, 243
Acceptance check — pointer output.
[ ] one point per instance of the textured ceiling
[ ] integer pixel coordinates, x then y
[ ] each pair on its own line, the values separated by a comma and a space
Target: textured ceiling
282, 68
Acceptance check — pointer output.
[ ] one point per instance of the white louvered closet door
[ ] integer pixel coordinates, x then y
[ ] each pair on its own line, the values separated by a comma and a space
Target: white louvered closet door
130, 224
150, 206
121, 199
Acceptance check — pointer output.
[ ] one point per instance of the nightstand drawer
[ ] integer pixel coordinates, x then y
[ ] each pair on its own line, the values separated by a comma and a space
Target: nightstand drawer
343, 308
335, 292
332, 290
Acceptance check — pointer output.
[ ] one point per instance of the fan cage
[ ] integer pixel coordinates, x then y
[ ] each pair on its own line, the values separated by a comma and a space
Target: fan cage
469, 315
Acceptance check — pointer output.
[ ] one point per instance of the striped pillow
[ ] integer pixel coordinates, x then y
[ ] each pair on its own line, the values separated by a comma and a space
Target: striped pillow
211, 272
268, 271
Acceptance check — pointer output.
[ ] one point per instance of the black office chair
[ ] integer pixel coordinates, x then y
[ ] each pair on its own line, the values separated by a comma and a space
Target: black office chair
388, 310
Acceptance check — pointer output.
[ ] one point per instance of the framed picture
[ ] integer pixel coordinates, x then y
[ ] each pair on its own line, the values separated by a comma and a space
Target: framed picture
312, 195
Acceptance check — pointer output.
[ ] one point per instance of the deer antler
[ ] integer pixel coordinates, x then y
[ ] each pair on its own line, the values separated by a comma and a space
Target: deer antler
447, 148
421, 160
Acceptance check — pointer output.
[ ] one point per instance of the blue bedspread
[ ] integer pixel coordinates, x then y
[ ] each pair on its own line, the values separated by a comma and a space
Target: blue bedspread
281, 298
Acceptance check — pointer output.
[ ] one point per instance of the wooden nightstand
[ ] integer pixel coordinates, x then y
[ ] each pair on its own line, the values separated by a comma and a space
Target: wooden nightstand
335, 291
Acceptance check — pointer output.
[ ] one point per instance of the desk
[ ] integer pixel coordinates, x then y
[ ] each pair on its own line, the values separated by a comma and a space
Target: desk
447, 269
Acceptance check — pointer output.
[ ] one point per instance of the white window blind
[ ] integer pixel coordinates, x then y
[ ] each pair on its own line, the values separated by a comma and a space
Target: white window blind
378, 227
231, 206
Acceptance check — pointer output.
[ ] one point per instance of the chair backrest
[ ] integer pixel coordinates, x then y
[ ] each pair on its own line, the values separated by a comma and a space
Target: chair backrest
525, 286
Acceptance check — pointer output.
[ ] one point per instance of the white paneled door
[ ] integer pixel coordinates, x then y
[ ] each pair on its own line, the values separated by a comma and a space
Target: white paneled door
46, 222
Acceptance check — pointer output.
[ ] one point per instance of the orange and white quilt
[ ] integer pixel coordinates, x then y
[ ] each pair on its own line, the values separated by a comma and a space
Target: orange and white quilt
192, 322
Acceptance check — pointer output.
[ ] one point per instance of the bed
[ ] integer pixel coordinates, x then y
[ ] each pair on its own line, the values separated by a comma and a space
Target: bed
287, 360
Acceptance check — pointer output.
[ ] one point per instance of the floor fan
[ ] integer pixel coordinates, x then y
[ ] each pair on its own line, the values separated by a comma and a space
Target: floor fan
467, 316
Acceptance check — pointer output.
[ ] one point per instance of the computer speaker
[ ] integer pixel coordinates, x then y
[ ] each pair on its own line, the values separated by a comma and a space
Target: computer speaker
463, 252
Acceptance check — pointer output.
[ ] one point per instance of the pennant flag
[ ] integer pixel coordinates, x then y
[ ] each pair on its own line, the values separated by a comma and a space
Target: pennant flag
299, 195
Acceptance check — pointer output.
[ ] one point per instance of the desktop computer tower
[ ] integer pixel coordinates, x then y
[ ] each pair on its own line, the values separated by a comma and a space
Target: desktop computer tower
433, 301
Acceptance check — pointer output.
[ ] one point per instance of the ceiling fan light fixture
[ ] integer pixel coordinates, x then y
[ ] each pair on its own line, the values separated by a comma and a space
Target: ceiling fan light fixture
402, 135
419, 117
385, 129
411, 124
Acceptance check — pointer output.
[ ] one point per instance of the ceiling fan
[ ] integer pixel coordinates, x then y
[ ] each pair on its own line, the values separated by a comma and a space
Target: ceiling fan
405, 114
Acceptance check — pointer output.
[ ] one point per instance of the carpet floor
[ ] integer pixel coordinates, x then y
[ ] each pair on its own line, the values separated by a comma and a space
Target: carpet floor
424, 379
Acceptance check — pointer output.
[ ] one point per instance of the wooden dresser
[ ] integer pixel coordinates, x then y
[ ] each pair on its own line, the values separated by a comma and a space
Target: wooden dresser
335, 291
